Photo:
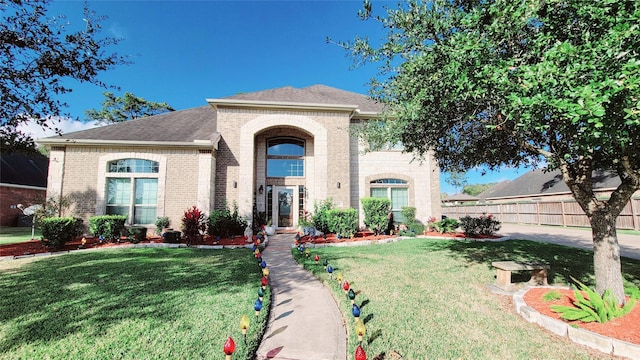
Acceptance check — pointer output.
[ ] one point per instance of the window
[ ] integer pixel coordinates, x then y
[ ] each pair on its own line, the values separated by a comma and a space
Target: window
132, 190
285, 157
396, 190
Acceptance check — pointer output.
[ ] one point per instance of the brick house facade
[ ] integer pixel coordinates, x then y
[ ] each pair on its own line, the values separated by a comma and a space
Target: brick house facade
280, 150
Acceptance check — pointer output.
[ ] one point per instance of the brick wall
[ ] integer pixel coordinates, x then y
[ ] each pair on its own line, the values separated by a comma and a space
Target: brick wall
11, 196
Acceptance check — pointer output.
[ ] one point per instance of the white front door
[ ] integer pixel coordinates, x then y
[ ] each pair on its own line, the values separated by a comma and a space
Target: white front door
285, 205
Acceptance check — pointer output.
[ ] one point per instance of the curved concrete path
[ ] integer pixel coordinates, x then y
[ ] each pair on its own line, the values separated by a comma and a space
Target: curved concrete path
305, 323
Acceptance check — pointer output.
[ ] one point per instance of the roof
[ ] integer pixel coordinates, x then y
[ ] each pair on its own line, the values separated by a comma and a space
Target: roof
538, 182
316, 94
191, 125
23, 169
176, 126
460, 197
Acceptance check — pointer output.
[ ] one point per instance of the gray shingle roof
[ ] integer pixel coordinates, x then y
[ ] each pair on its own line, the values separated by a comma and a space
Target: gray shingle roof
22, 169
316, 94
538, 182
181, 126
199, 123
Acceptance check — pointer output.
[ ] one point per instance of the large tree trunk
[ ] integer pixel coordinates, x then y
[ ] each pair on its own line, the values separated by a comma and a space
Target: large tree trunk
606, 255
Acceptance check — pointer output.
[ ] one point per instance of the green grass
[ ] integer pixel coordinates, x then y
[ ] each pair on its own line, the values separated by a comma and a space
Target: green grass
129, 304
10, 235
428, 299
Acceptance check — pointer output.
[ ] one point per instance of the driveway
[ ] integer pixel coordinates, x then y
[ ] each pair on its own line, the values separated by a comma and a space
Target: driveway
577, 237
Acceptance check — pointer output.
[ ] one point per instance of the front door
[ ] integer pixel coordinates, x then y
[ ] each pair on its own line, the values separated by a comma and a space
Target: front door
284, 207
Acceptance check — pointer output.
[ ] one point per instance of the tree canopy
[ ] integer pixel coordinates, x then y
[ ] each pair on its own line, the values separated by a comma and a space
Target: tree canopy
500, 82
38, 53
125, 107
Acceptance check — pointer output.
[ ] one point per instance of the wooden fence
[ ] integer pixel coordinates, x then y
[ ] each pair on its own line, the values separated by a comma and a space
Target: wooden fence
562, 213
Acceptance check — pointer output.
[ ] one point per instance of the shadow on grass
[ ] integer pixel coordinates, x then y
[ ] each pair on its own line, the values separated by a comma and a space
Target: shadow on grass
53, 298
564, 261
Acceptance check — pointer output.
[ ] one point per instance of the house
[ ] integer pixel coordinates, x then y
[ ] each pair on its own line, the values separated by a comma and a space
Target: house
23, 180
280, 150
458, 199
542, 198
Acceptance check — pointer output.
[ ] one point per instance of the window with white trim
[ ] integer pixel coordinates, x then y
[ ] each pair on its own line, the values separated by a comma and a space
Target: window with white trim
396, 190
132, 189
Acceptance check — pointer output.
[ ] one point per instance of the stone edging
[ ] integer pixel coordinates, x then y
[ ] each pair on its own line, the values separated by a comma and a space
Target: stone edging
599, 342
132, 246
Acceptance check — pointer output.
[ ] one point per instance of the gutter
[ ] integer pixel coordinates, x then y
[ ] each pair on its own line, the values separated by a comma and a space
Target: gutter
195, 144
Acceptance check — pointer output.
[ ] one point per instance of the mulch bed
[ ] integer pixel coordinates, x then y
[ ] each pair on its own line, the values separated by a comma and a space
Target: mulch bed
626, 328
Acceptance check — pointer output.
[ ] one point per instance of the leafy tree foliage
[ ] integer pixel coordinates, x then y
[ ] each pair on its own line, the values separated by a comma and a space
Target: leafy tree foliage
457, 179
476, 189
38, 53
126, 107
500, 82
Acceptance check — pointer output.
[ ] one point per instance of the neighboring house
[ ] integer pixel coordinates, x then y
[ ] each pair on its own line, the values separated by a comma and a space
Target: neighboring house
23, 180
458, 199
280, 150
543, 198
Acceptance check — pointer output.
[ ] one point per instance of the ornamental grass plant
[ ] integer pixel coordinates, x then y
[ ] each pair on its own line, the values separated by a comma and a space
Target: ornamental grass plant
129, 304
428, 299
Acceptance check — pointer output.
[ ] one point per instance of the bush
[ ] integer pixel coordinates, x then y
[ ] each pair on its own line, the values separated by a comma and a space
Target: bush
137, 233
108, 226
483, 225
224, 223
343, 222
446, 225
194, 223
162, 222
376, 213
320, 216
409, 214
57, 231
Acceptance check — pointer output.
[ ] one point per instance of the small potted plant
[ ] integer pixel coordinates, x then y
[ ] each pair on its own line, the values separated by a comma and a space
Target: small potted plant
162, 223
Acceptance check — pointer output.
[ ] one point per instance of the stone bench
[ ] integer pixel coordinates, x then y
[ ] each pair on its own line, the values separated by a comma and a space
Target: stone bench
503, 279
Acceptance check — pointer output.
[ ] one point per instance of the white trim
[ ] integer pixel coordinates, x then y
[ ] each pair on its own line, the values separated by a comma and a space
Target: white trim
29, 187
280, 104
198, 144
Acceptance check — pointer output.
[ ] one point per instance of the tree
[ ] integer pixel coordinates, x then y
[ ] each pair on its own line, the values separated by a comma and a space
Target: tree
512, 83
457, 179
476, 189
38, 53
126, 107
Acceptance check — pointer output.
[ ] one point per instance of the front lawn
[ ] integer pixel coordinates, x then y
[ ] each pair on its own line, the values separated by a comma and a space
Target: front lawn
428, 299
129, 304
10, 235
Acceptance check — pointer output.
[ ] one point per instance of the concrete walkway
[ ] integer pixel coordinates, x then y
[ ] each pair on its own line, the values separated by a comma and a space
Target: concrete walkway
576, 237
305, 322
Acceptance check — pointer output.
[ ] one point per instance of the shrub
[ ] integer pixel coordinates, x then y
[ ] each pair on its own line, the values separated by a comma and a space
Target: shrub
224, 223
593, 307
320, 217
376, 213
194, 223
137, 233
108, 226
162, 222
343, 222
483, 225
57, 231
409, 214
446, 225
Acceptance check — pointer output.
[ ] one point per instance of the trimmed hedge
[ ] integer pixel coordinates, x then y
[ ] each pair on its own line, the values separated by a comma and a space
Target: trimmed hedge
57, 231
376, 214
321, 215
108, 226
224, 223
343, 222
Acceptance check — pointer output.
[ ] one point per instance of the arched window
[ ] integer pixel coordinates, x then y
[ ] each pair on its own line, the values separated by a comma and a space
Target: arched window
132, 189
396, 190
285, 157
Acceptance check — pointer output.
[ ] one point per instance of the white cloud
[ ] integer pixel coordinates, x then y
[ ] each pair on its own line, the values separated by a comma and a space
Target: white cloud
65, 125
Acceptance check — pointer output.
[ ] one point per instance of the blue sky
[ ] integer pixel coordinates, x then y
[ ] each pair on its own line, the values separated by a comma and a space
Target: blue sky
184, 52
